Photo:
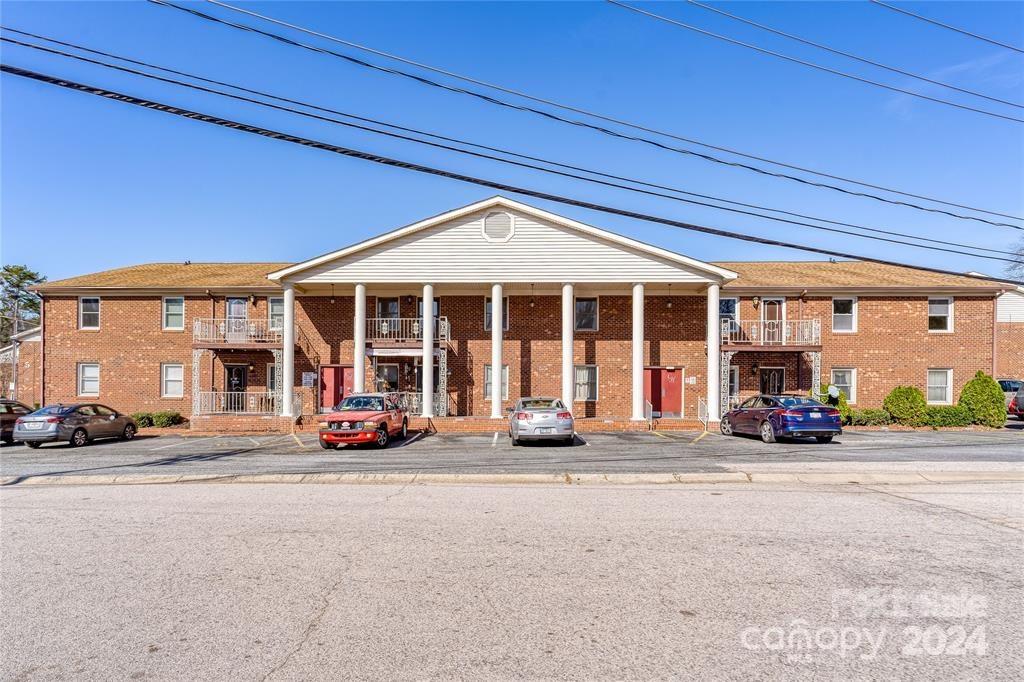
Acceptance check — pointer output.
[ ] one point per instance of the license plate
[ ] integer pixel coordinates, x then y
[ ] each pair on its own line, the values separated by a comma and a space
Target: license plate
542, 431
815, 415
33, 426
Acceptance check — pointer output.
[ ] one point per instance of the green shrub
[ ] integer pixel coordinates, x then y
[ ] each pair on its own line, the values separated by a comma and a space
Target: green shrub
842, 405
143, 419
870, 417
907, 405
164, 419
947, 415
982, 397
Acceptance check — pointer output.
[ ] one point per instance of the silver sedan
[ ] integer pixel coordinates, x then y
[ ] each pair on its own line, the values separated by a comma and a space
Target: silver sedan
540, 419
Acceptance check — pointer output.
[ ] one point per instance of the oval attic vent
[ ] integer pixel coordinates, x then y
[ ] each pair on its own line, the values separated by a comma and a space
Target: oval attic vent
498, 227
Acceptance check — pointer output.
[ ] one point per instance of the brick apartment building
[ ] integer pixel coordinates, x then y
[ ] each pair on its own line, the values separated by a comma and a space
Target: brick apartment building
620, 329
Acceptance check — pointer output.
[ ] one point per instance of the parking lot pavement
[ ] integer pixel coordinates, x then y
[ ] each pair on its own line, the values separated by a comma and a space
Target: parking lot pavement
493, 453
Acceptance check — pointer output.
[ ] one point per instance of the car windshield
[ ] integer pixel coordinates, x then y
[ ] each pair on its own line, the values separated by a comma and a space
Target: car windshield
361, 403
1009, 385
52, 409
541, 403
792, 401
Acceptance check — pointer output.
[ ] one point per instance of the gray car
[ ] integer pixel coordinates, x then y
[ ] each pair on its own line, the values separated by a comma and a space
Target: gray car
76, 424
540, 419
1010, 388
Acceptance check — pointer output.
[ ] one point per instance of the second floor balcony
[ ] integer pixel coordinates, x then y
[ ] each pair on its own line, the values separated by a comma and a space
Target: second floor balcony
771, 333
404, 330
237, 331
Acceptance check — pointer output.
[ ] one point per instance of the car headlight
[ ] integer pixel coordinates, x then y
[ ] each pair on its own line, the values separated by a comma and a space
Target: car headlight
369, 426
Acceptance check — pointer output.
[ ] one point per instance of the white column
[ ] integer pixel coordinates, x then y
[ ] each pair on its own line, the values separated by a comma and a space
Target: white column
714, 356
568, 311
427, 368
359, 338
638, 352
288, 364
497, 327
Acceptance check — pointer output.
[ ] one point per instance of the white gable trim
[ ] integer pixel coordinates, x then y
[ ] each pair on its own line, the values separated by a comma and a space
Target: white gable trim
712, 270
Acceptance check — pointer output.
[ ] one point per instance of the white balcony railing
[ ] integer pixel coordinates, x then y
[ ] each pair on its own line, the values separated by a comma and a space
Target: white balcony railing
236, 330
243, 402
772, 332
404, 329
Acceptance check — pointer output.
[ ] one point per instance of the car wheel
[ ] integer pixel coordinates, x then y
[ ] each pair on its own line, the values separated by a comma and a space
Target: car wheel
767, 432
33, 445
128, 433
824, 439
79, 438
405, 429
382, 437
725, 426
328, 446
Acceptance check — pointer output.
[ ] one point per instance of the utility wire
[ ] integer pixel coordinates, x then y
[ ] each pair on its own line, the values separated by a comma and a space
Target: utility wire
894, 8
507, 161
493, 184
462, 142
850, 55
548, 115
819, 67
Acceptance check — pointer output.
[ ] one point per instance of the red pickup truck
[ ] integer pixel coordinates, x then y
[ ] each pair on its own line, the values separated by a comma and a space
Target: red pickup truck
371, 418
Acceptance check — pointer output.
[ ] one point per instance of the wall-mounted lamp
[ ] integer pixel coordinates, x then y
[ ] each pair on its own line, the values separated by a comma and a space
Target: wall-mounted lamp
754, 368
532, 303
332, 293
252, 299
669, 304
252, 367
756, 301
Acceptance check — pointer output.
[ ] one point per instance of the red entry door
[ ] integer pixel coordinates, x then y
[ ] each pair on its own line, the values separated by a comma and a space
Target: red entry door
663, 389
335, 383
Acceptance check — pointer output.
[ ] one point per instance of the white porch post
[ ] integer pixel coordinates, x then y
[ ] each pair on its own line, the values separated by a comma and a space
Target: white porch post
568, 380
359, 338
288, 364
497, 327
427, 368
714, 355
638, 352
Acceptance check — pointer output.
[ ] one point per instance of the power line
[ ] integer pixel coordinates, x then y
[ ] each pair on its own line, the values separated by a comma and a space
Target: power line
500, 186
812, 65
515, 163
549, 115
463, 142
850, 55
894, 8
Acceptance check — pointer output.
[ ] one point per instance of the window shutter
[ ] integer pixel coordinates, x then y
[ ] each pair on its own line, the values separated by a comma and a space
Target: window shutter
498, 226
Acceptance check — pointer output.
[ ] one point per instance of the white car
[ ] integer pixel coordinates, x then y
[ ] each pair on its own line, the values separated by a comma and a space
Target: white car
540, 419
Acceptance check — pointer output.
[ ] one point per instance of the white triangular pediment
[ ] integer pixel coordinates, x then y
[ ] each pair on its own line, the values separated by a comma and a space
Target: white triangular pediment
520, 244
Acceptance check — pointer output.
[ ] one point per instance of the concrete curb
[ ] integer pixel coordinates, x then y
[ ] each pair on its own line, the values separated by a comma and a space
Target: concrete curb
567, 478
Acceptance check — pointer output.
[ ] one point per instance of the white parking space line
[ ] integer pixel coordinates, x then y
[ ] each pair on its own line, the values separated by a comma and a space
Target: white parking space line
298, 440
494, 441
182, 442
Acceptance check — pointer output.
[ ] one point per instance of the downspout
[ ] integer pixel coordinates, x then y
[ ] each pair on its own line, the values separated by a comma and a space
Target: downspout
995, 335
42, 350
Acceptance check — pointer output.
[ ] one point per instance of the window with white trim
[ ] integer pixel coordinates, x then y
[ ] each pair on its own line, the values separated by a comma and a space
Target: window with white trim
172, 380
89, 312
488, 316
728, 308
845, 379
89, 378
271, 377
498, 226
940, 314
940, 386
174, 313
275, 313
844, 315
504, 382
585, 382
734, 383
586, 315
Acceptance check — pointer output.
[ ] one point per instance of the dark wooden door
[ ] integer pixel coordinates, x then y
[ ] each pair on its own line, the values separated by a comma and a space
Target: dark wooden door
773, 380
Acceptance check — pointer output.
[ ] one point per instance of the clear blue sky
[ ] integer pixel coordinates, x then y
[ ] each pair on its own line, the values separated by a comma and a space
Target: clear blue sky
90, 184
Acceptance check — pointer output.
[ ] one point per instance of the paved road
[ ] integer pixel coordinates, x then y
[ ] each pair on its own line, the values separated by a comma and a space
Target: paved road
246, 582
642, 452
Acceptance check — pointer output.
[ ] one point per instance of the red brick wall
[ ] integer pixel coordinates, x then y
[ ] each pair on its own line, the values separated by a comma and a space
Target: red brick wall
1010, 349
892, 346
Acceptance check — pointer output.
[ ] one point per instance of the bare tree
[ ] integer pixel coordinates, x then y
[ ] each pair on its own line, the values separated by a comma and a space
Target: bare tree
1016, 270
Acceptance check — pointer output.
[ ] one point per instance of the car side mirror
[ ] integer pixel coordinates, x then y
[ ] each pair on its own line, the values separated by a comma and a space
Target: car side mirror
113, 417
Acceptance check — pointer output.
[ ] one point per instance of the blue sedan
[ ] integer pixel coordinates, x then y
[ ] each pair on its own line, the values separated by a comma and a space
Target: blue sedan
778, 416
